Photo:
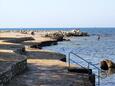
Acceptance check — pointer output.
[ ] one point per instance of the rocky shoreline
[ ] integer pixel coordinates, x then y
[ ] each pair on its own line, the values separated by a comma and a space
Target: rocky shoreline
60, 35
53, 64
54, 37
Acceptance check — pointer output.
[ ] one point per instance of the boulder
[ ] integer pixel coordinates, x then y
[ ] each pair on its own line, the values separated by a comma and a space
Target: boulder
32, 33
57, 36
74, 33
103, 65
106, 64
110, 63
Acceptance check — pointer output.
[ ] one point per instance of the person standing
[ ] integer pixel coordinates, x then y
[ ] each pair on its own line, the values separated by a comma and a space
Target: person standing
98, 37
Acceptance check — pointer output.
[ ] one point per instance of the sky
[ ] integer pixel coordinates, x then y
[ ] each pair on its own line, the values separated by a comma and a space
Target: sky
57, 13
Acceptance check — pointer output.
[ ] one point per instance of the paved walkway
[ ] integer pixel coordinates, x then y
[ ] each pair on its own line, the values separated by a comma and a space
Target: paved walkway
45, 69
48, 72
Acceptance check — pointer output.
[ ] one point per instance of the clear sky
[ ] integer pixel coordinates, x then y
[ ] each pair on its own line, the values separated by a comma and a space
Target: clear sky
57, 13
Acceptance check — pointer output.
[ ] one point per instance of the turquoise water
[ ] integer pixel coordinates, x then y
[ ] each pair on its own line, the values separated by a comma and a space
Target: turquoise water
92, 49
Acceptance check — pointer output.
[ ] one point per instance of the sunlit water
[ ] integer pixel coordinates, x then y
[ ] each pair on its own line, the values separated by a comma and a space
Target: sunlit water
92, 49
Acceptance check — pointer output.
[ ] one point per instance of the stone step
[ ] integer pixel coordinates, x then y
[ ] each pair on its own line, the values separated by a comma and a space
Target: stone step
80, 70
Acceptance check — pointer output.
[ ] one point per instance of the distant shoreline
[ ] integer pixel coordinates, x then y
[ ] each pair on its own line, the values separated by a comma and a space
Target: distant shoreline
63, 28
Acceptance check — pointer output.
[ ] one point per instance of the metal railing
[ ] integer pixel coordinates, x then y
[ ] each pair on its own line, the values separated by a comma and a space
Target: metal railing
89, 64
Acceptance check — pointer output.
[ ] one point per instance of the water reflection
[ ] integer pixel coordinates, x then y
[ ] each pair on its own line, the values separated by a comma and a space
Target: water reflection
107, 73
111, 71
93, 51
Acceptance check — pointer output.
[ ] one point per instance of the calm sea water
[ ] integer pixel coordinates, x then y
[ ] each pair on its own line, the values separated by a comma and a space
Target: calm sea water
92, 49
36, 28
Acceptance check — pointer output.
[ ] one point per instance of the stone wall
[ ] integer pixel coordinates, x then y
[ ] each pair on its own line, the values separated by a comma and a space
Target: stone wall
12, 71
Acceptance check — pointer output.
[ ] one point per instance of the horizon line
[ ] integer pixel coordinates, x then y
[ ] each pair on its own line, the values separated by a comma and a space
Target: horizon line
51, 27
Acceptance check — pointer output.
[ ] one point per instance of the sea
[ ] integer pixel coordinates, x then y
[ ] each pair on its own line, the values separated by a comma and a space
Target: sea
92, 50
89, 48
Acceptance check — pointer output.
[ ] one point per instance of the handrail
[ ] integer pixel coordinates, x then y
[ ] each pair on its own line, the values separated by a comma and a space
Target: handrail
77, 63
89, 63
84, 60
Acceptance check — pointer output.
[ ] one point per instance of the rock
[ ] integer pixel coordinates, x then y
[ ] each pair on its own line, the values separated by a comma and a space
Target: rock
103, 65
106, 64
48, 43
32, 33
57, 36
35, 46
110, 63
63, 59
66, 39
61, 34
23, 32
43, 44
75, 33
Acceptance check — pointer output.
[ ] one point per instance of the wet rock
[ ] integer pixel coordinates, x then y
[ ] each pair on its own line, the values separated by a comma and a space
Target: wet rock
66, 39
35, 46
43, 44
63, 59
47, 43
103, 65
106, 64
110, 63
